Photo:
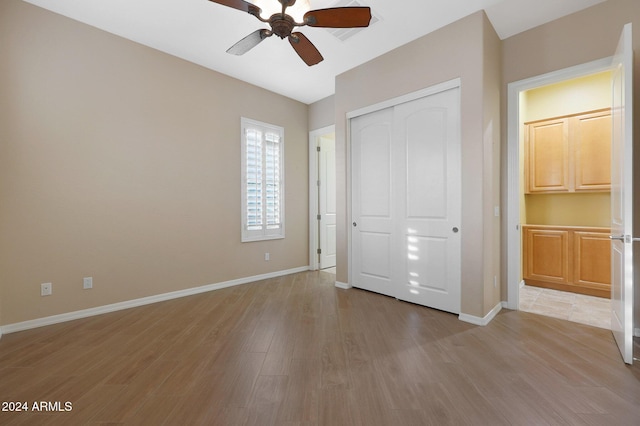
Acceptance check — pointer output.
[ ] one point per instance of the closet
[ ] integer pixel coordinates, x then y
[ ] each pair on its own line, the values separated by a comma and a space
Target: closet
406, 199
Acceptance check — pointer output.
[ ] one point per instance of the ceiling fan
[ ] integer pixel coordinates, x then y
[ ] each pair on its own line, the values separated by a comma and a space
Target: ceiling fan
282, 25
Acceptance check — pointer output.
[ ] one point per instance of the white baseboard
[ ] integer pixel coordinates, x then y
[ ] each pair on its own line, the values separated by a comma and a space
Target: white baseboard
343, 286
481, 321
70, 316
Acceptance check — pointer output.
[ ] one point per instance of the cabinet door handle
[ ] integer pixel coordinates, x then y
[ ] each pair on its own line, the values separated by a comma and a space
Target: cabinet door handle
625, 238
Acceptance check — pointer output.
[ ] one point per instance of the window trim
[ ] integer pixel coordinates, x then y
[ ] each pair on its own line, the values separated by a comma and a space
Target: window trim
266, 232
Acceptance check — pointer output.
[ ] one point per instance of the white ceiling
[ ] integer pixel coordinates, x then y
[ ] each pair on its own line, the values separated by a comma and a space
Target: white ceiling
200, 31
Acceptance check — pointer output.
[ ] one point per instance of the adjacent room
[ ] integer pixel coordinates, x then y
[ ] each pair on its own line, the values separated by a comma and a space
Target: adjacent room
356, 222
579, 209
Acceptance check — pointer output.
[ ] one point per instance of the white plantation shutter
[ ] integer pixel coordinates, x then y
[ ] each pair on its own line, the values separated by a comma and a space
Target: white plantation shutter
262, 181
272, 180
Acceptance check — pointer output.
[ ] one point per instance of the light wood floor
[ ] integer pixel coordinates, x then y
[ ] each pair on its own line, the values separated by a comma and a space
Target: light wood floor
297, 351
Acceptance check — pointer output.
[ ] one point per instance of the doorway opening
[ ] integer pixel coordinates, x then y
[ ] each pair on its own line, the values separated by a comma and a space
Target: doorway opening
322, 199
558, 205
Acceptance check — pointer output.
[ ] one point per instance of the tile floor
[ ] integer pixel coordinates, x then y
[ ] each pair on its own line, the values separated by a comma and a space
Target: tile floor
589, 310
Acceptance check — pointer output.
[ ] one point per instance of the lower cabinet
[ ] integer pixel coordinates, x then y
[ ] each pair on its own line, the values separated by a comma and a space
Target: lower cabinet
575, 259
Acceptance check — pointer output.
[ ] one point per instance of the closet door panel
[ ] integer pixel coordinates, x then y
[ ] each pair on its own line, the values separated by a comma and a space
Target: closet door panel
372, 205
426, 164
428, 131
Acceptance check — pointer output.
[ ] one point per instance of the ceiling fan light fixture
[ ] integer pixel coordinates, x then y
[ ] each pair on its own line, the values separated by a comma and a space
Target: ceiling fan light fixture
298, 10
271, 7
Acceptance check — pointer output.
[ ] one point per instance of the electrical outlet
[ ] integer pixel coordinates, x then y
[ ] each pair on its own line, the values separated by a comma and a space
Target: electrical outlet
266, 256
46, 289
87, 283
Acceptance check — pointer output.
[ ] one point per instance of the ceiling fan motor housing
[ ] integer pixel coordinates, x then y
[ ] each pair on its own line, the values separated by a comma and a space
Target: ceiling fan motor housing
282, 25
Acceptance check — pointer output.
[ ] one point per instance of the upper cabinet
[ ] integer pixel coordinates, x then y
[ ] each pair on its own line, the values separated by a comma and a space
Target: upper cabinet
547, 156
569, 154
592, 151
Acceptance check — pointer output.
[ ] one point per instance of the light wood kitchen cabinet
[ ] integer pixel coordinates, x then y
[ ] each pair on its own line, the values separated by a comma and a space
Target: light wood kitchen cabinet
569, 154
547, 254
592, 260
592, 151
547, 156
575, 259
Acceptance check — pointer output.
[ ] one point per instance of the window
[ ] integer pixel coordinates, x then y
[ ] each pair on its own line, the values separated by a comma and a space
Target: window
262, 181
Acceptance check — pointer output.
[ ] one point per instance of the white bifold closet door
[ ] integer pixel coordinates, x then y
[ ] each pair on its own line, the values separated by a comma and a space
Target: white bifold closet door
406, 201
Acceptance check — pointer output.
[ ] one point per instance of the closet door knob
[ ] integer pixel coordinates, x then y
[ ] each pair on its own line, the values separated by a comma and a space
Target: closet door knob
355, 224
455, 229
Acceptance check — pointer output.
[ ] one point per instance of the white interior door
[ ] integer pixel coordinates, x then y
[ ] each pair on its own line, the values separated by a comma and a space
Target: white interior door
622, 198
372, 206
327, 200
406, 190
430, 209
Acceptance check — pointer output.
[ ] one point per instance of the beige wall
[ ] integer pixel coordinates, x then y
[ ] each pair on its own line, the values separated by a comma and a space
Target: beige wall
322, 113
462, 49
576, 39
122, 163
492, 79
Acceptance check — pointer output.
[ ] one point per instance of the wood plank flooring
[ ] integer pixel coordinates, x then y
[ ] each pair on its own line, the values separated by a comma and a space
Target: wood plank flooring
295, 350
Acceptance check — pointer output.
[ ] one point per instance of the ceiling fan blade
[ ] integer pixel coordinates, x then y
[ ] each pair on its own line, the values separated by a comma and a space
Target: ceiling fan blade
305, 49
249, 42
240, 5
339, 17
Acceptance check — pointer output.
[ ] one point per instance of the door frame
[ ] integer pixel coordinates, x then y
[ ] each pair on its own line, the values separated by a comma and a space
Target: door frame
514, 231
314, 135
421, 93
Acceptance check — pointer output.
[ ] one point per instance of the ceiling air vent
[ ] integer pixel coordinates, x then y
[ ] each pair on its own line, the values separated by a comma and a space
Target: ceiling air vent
343, 34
